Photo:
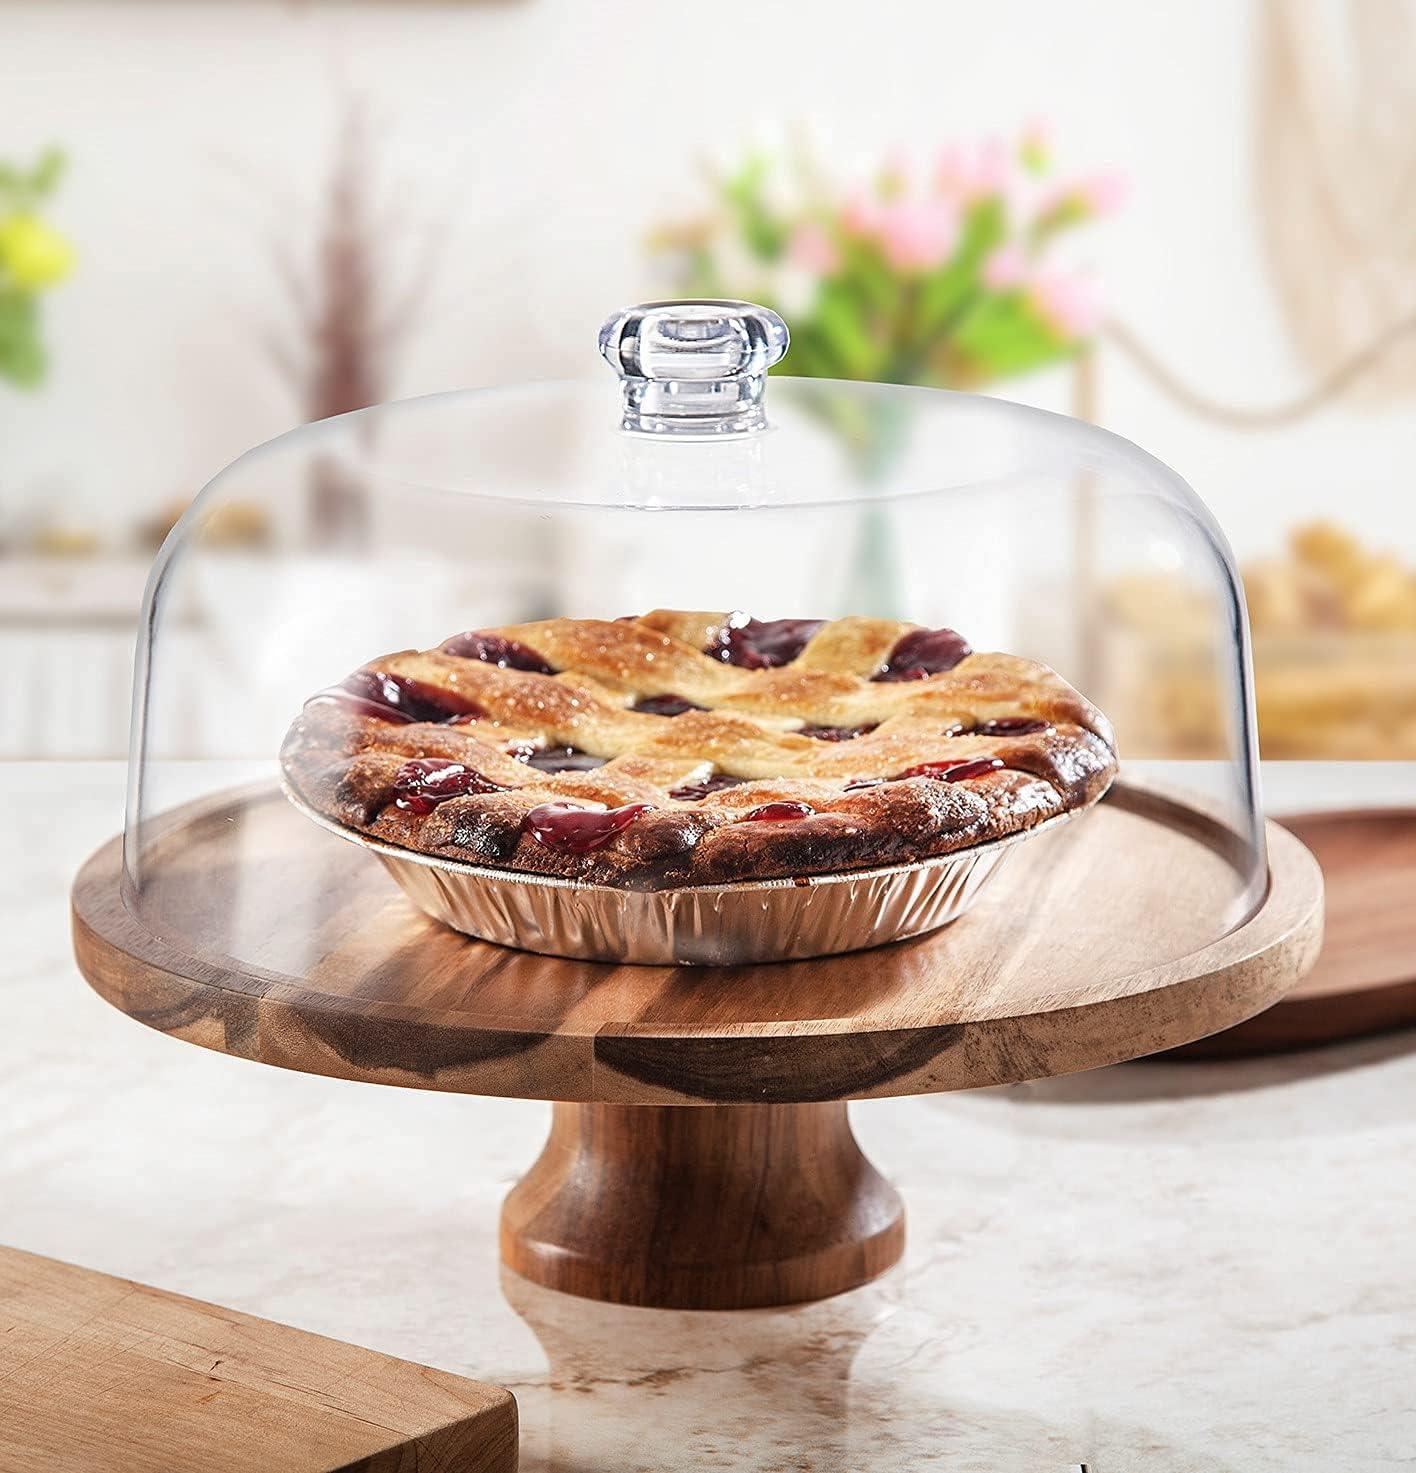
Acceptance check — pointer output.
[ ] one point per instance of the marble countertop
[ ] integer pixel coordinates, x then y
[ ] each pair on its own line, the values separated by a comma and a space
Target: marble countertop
1157, 1267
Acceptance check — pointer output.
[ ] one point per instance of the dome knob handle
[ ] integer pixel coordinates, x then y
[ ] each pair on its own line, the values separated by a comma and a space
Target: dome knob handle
696, 369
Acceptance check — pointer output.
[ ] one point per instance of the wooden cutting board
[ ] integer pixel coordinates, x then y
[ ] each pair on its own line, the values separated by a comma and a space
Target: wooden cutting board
1365, 978
100, 1375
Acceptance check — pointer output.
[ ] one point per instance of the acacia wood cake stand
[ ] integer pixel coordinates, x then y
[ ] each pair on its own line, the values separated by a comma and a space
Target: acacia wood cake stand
1096, 943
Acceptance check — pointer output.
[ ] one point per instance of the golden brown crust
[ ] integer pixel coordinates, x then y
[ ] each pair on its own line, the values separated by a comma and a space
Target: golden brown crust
344, 760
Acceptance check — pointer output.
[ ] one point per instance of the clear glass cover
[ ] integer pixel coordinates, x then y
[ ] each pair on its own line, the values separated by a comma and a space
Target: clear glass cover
398, 526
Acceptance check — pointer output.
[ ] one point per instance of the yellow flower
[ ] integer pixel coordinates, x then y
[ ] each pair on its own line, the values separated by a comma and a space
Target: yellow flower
32, 254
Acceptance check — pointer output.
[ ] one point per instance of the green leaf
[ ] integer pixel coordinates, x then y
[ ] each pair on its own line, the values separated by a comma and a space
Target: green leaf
842, 326
22, 357
870, 277
947, 290
763, 233
1014, 340
47, 171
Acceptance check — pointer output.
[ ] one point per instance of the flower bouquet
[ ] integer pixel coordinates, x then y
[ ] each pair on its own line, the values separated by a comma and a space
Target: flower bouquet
944, 276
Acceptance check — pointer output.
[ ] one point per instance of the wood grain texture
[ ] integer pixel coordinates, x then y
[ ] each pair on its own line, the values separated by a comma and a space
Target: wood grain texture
1365, 977
100, 1375
258, 934
734, 1208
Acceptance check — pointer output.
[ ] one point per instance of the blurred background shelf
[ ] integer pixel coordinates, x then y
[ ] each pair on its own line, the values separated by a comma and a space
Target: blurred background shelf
67, 632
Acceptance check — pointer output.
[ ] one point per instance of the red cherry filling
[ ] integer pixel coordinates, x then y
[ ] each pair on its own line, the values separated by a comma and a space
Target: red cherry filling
763, 644
951, 772
778, 812
424, 782
665, 706
692, 792
555, 759
1012, 726
570, 829
925, 652
835, 733
493, 649
399, 698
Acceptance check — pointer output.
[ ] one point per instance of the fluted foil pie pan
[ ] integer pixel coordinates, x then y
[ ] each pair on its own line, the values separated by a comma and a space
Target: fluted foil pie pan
702, 925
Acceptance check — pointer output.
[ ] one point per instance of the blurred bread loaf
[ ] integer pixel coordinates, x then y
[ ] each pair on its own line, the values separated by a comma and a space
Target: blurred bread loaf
1334, 627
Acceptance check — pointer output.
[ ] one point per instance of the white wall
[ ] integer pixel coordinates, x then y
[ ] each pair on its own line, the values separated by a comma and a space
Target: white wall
547, 133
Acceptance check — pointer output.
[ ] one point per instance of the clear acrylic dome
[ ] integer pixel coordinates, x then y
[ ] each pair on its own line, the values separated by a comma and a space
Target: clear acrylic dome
694, 483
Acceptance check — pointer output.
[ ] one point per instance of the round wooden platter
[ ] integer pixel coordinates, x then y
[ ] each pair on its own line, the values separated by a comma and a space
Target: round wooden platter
1364, 980
258, 934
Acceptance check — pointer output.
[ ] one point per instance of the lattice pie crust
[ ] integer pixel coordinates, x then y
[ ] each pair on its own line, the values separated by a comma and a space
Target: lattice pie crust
697, 748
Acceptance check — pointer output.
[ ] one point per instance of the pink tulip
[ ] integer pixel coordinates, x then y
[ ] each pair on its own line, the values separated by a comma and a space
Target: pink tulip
949, 171
1068, 303
814, 250
991, 168
1102, 193
1006, 268
917, 234
862, 214
968, 178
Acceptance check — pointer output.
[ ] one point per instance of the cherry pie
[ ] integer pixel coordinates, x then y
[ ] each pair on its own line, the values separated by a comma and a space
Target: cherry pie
697, 748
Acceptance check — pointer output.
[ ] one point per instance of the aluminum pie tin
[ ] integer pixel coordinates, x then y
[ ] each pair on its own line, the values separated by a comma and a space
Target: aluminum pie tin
697, 925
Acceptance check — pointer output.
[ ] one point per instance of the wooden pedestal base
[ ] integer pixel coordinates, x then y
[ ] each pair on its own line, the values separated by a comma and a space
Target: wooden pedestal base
719, 1207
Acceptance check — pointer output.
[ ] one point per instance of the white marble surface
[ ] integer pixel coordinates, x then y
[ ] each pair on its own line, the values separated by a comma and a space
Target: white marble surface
1155, 1268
